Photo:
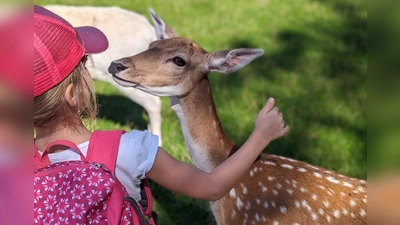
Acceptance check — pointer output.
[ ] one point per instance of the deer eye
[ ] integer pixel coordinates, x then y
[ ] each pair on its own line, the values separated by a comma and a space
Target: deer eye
179, 61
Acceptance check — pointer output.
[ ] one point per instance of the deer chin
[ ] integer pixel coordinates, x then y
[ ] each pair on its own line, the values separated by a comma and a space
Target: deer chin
123, 82
163, 91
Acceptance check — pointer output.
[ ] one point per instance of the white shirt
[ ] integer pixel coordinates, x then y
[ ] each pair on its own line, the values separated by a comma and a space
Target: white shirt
136, 155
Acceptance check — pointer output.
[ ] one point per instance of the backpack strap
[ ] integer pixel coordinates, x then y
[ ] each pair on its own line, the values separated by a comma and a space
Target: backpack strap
146, 202
103, 147
37, 159
42, 160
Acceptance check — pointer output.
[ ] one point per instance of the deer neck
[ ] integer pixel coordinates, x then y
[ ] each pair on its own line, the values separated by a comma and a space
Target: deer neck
205, 139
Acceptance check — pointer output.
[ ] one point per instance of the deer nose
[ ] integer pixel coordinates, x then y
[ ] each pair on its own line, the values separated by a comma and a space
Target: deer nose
116, 67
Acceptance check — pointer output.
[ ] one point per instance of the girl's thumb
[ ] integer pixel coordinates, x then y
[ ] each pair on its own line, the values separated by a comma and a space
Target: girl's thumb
269, 105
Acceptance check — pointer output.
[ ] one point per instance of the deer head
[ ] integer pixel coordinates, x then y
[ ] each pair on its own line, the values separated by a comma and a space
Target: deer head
173, 65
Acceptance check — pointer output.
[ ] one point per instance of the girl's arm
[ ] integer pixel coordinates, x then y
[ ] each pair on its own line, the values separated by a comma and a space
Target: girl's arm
185, 179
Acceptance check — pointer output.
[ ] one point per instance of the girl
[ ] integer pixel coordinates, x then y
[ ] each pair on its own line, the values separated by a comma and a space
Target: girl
64, 94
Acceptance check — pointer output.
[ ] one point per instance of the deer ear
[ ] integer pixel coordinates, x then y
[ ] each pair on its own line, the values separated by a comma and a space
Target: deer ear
229, 61
163, 31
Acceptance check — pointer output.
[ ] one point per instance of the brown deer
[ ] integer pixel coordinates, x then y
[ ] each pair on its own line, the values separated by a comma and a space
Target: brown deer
276, 190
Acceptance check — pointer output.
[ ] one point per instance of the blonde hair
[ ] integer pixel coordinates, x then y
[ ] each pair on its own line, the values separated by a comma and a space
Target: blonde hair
51, 108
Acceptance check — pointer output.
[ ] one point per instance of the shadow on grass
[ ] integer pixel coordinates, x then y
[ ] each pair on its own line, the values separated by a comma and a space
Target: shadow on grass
192, 211
122, 110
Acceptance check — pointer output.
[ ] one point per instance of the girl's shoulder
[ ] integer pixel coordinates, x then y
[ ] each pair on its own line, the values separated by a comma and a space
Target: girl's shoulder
139, 139
136, 155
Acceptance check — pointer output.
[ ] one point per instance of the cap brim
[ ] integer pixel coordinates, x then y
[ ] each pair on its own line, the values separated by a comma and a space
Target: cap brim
93, 40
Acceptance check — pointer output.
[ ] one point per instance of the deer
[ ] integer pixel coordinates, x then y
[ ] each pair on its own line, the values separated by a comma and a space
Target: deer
130, 37
276, 190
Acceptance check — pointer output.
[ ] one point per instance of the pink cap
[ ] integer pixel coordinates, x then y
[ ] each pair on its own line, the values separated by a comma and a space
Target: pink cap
58, 48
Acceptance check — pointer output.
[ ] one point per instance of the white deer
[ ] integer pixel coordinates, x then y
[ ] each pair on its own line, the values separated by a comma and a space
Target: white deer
128, 33
276, 190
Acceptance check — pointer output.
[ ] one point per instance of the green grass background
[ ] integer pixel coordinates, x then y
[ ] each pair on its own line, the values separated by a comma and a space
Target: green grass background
315, 66
383, 84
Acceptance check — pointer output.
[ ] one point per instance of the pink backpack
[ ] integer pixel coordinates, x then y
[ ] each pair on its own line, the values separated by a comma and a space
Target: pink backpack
87, 191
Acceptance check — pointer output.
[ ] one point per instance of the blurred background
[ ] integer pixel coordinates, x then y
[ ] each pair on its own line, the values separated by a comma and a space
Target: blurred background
383, 113
315, 66
16, 121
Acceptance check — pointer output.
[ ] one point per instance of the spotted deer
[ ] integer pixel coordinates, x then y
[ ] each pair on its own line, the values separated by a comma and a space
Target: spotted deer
276, 190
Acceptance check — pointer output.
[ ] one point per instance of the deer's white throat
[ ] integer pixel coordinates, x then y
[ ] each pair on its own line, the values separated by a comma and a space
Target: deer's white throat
198, 151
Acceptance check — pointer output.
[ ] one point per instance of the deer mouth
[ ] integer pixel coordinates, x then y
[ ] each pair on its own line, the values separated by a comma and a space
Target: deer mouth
123, 82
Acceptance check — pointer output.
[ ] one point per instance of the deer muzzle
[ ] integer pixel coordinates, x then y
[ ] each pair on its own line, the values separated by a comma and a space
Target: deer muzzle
116, 67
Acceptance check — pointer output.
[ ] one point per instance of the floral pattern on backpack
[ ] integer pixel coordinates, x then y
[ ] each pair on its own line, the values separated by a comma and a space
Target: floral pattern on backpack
80, 192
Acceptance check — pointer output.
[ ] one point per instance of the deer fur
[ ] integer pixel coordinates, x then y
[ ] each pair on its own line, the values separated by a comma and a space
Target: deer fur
276, 190
128, 33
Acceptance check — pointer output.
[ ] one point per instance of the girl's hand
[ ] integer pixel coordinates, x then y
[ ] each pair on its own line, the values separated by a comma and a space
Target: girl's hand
184, 179
269, 124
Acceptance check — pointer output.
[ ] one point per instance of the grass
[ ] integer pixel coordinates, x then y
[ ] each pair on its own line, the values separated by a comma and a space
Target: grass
315, 65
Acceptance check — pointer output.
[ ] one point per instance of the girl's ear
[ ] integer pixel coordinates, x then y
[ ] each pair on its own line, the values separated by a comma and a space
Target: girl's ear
69, 96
